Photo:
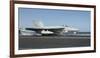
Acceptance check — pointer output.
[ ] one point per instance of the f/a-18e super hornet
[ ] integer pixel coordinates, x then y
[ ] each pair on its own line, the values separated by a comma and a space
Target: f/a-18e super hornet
39, 28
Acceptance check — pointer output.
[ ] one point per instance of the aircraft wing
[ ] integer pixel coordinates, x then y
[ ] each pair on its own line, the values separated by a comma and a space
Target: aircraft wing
38, 30
49, 29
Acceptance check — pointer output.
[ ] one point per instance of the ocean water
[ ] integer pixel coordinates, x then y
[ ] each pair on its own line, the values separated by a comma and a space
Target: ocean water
79, 34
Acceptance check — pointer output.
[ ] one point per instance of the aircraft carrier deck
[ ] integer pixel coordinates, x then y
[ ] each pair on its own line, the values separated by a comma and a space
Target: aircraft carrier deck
40, 42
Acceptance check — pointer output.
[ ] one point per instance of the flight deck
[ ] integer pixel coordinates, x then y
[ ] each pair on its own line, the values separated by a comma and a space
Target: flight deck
44, 42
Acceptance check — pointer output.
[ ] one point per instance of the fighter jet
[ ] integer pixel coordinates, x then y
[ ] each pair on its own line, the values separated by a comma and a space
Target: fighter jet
39, 28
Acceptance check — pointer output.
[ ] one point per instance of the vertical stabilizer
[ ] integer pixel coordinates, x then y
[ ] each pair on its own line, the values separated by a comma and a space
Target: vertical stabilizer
37, 24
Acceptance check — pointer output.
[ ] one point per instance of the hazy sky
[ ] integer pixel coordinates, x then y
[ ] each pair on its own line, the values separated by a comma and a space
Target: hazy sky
52, 17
